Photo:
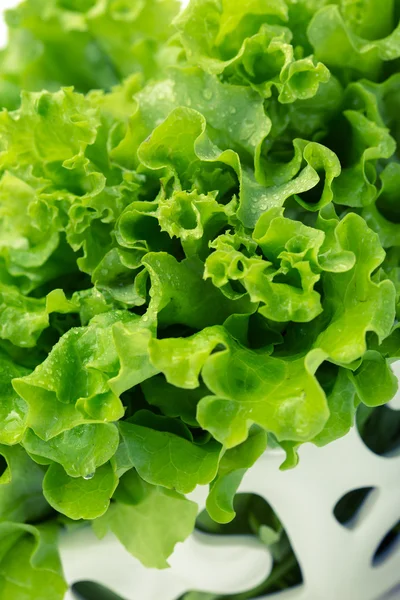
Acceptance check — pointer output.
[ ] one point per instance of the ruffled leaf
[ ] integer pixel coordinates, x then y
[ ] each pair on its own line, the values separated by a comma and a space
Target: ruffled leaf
79, 450
29, 562
232, 467
79, 497
163, 455
249, 387
59, 400
148, 520
21, 497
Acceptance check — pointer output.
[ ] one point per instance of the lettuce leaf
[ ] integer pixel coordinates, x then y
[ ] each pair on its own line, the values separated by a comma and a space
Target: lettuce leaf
81, 394
199, 258
282, 396
232, 468
79, 450
29, 562
21, 497
329, 30
163, 453
148, 520
85, 497
85, 44
14, 410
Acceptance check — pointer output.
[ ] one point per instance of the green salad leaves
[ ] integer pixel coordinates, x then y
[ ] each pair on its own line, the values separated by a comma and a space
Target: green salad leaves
199, 256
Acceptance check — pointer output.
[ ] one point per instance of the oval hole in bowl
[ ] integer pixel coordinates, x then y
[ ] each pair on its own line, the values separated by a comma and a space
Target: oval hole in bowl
392, 594
88, 590
3, 465
348, 507
379, 429
389, 544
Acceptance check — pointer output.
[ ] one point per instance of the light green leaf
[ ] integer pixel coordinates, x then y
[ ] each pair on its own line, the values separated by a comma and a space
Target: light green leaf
194, 218
339, 48
382, 216
80, 450
21, 497
232, 467
342, 403
179, 293
374, 381
70, 387
44, 129
30, 567
355, 302
79, 497
369, 141
182, 359
13, 409
30, 226
118, 276
282, 396
23, 319
148, 520
173, 401
163, 457
312, 185
132, 345
234, 115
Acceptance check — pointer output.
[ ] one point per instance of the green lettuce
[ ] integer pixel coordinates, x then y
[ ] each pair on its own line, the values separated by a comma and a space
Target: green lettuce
29, 564
199, 260
148, 519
